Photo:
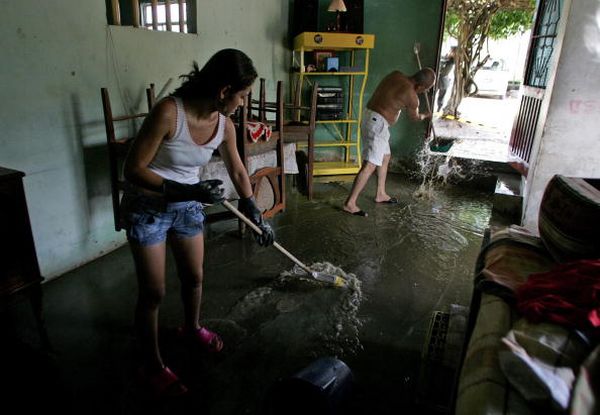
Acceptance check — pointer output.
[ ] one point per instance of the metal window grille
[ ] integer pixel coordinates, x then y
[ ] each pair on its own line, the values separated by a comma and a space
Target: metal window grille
164, 15
543, 39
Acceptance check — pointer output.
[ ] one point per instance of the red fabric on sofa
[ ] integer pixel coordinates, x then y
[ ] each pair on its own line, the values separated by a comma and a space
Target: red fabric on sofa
568, 295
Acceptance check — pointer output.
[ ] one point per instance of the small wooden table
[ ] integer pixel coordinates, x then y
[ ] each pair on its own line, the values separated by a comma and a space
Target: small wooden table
19, 269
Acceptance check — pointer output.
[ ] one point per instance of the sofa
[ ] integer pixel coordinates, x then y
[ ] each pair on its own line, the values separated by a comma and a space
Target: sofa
533, 331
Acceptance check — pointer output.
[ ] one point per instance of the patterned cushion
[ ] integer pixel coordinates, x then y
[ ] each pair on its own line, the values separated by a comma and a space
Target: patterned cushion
483, 388
569, 216
512, 254
552, 344
586, 395
540, 361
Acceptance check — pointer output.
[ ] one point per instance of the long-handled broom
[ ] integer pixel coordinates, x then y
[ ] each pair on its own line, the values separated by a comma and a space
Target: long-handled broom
335, 280
437, 144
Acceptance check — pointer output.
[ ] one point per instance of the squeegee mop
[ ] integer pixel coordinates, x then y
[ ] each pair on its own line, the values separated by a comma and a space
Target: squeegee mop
437, 144
334, 280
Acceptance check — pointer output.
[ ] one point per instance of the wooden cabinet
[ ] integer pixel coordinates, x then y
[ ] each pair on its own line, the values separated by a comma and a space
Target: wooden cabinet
339, 134
19, 269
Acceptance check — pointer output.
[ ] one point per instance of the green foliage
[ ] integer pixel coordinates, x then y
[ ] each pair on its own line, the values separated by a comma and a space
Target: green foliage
471, 23
506, 23
452, 21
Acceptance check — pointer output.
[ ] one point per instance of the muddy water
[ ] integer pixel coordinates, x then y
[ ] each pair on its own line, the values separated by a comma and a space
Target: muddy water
403, 262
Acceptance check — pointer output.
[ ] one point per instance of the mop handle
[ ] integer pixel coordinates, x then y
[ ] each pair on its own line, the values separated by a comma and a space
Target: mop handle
416, 49
420, 67
258, 231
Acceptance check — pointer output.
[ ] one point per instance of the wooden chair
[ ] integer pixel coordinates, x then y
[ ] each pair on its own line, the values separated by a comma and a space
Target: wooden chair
300, 128
299, 125
274, 176
118, 147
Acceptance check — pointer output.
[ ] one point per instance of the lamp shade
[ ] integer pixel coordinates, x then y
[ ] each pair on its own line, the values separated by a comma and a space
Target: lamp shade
337, 6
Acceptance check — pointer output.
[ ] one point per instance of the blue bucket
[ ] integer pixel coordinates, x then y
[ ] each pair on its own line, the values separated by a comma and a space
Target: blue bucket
321, 388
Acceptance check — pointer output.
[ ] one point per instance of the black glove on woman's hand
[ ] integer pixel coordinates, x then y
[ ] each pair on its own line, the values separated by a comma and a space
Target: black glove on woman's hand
247, 206
206, 192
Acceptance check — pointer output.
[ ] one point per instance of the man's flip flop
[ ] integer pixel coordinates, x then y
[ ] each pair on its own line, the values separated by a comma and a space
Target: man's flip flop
390, 201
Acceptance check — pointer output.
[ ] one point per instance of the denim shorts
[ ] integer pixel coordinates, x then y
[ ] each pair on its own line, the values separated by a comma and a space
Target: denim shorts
148, 220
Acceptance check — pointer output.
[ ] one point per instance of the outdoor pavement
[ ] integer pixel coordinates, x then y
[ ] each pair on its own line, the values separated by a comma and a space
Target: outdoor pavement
483, 130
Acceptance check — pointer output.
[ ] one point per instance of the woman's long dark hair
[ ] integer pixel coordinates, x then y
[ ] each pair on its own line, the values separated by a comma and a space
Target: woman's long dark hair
228, 67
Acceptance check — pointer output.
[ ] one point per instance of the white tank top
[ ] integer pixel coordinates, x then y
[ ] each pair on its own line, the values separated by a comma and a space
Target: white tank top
180, 158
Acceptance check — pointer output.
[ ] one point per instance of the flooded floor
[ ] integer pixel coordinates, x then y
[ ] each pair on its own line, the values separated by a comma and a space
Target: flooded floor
404, 262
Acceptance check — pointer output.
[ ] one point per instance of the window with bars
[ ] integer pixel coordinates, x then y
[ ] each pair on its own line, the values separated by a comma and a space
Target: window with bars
543, 39
159, 15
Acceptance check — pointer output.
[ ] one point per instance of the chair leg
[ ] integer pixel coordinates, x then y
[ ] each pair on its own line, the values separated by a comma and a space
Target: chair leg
309, 173
241, 228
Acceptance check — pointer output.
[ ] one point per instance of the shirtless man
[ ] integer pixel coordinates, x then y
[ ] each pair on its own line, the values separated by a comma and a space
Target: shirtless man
393, 94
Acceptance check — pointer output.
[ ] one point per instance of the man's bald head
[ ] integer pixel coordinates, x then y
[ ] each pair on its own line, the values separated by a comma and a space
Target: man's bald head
424, 79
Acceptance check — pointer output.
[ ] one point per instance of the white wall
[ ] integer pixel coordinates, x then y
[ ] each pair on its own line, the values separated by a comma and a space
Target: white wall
56, 55
569, 142
513, 51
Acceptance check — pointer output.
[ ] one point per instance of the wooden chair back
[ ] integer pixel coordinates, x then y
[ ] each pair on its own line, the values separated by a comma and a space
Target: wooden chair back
119, 146
300, 127
258, 111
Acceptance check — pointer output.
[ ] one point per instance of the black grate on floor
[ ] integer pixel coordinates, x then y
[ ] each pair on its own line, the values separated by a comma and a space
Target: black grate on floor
433, 350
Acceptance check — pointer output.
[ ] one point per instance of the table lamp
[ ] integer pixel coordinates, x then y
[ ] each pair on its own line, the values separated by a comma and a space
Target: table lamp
338, 7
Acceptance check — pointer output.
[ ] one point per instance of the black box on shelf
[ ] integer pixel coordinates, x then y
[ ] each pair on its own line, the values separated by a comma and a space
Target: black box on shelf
326, 115
328, 91
336, 99
330, 103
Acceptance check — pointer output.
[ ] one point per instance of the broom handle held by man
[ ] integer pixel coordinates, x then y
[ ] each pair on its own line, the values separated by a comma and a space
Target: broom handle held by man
417, 48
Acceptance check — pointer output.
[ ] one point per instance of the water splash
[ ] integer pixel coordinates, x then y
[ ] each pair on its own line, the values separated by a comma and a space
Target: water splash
434, 171
344, 324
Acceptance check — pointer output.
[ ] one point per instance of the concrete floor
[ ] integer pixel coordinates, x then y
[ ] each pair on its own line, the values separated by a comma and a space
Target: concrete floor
412, 259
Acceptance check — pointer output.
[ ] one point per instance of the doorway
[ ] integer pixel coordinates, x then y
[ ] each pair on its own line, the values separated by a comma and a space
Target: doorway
480, 124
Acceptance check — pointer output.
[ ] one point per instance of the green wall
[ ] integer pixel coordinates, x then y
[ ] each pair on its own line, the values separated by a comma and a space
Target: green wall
397, 25
56, 55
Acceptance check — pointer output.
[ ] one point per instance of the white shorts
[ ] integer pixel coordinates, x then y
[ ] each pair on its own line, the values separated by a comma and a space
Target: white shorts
375, 137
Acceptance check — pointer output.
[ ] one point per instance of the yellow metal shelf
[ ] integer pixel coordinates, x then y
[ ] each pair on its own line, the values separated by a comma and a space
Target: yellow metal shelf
337, 121
331, 144
333, 41
333, 73
354, 50
329, 168
336, 144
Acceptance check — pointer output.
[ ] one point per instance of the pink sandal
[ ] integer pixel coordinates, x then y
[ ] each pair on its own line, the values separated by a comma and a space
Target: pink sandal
163, 384
208, 340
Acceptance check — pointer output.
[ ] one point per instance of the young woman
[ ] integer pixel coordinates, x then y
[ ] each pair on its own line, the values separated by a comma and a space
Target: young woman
166, 198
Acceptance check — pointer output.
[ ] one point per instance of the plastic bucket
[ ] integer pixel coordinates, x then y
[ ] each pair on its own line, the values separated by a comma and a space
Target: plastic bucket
321, 388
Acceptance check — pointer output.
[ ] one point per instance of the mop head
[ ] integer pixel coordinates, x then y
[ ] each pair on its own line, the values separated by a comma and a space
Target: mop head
324, 272
340, 325
311, 318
